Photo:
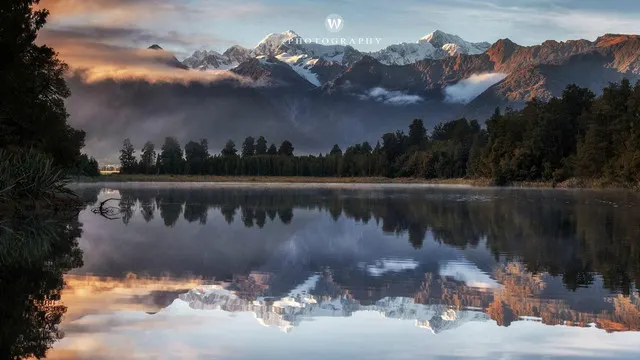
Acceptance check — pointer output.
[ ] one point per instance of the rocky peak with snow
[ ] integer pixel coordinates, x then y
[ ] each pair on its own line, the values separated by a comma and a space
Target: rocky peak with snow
203, 60
238, 54
271, 71
453, 44
407, 53
288, 44
270, 45
425, 67
213, 60
437, 45
289, 311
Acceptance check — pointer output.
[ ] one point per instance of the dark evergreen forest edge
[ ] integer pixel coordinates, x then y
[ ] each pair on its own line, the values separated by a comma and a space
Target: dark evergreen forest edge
39, 223
577, 138
38, 148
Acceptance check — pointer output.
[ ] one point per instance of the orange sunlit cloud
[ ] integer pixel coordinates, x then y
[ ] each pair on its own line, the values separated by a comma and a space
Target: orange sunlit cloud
84, 295
103, 11
95, 61
103, 40
118, 12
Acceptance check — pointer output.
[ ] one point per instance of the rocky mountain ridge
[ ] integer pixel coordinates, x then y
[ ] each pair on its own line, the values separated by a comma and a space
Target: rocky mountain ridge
436, 61
436, 45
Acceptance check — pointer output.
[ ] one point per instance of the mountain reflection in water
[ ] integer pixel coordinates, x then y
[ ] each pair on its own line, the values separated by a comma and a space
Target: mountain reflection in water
354, 271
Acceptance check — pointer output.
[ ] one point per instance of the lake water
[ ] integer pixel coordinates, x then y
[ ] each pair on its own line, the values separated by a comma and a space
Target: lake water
197, 271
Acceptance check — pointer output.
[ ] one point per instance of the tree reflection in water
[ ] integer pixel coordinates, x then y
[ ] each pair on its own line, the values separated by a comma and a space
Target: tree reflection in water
35, 252
565, 233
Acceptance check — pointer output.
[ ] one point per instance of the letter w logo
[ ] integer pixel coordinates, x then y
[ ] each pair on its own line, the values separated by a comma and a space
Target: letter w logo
334, 24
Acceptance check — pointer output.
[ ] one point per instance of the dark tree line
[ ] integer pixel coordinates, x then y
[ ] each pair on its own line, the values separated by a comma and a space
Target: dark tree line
575, 135
254, 158
33, 90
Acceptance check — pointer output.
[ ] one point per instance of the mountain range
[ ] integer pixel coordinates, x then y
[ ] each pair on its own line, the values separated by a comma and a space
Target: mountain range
319, 95
299, 305
425, 69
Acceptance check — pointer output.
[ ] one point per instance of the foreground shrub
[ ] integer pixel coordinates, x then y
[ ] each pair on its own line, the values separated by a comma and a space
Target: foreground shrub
30, 175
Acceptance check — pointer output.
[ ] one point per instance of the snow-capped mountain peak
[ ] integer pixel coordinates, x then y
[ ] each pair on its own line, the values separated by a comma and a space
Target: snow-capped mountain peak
209, 59
320, 63
436, 45
270, 44
453, 44
237, 54
235, 49
439, 38
407, 53
289, 311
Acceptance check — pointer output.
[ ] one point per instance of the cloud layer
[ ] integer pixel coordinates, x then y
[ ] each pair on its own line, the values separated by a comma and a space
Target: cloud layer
390, 97
90, 55
468, 89
110, 111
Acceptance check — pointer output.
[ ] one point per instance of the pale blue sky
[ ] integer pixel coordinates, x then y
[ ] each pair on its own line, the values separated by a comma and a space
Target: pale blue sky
184, 26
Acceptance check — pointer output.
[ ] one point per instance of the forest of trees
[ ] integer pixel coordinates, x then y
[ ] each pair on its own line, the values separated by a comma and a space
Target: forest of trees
575, 135
39, 223
32, 110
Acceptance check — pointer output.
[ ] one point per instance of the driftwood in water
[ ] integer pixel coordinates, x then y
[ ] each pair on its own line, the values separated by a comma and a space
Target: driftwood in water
109, 212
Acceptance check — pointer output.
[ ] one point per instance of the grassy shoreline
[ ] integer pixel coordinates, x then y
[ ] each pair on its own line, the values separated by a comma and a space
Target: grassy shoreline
573, 183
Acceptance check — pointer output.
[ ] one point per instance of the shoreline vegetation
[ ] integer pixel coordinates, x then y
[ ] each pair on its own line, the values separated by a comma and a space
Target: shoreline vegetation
572, 183
39, 150
31, 183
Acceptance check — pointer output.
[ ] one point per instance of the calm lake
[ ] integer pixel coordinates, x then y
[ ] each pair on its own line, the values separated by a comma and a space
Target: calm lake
214, 271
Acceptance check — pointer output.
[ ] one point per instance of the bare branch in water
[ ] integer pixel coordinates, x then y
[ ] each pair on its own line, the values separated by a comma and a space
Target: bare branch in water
109, 212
